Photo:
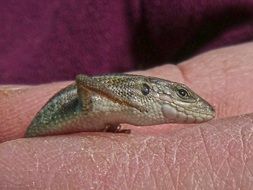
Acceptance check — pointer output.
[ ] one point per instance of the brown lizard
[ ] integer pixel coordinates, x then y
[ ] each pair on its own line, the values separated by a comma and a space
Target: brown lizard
102, 103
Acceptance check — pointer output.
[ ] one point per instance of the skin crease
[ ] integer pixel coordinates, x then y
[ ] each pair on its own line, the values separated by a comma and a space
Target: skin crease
213, 155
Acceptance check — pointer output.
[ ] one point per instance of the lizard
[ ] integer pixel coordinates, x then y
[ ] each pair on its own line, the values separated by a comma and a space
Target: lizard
102, 103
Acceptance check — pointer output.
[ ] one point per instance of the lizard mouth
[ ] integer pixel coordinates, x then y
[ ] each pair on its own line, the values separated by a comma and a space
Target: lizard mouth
179, 114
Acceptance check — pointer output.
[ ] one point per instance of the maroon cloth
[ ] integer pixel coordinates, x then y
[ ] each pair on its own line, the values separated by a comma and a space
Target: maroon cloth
52, 40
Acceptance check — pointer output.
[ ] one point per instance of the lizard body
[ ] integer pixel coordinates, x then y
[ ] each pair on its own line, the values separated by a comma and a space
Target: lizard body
102, 103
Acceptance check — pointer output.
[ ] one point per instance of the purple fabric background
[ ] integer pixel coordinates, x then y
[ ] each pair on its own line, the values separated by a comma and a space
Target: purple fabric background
52, 40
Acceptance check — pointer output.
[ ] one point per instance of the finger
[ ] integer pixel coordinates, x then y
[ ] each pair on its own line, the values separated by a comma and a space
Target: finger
215, 155
225, 77
19, 104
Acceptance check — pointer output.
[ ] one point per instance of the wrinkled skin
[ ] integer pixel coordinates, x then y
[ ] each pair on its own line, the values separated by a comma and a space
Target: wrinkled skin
213, 155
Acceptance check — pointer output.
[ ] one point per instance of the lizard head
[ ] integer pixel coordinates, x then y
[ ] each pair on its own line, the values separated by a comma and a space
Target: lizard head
179, 104
153, 98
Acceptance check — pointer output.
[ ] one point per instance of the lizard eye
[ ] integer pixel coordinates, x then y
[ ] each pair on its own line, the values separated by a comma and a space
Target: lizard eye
145, 89
182, 93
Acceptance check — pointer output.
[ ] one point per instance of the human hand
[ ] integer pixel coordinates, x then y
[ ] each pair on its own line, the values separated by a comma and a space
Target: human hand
212, 155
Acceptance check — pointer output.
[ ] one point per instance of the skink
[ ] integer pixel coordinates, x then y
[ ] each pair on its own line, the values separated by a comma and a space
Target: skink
102, 103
